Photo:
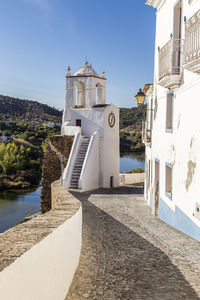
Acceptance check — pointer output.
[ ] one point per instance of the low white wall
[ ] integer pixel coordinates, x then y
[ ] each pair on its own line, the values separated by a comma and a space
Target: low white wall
89, 178
47, 269
131, 178
70, 130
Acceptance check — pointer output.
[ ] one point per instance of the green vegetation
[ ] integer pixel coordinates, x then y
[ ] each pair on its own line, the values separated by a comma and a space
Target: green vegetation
13, 158
131, 129
131, 142
14, 109
30, 132
132, 116
138, 170
20, 166
26, 123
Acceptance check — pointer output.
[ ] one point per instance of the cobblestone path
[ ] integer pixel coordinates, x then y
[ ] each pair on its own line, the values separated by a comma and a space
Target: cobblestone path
128, 254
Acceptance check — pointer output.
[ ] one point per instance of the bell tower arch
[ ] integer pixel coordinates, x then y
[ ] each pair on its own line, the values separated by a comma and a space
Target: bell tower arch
84, 89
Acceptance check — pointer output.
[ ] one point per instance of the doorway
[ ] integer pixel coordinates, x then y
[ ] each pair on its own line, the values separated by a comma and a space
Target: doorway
111, 181
177, 31
78, 122
157, 186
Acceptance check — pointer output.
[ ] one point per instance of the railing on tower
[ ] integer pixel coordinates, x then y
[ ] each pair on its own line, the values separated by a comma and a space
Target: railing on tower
170, 58
192, 38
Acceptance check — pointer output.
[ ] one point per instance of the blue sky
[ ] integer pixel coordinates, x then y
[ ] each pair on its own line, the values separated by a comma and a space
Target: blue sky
40, 38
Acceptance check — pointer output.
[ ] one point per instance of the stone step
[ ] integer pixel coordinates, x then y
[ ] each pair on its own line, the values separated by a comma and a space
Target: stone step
77, 172
74, 181
76, 175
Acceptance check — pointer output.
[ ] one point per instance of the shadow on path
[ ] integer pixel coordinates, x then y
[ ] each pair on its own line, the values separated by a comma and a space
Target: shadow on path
117, 263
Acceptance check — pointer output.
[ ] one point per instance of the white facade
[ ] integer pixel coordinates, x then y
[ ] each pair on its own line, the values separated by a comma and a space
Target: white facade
172, 184
94, 158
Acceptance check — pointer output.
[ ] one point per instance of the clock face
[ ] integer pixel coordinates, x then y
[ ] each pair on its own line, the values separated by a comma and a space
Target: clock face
111, 119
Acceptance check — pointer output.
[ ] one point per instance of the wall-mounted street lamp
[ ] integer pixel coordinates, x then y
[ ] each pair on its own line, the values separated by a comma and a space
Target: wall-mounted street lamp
140, 97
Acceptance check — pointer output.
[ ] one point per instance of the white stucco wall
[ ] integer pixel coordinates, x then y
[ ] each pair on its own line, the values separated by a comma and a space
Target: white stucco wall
90, 175
47, 269
70, 130
93, 116
181, 147
91, 120
107, 154
110, 148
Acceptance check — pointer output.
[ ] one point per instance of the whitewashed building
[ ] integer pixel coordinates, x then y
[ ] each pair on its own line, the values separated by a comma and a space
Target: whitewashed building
94, 157
172, 130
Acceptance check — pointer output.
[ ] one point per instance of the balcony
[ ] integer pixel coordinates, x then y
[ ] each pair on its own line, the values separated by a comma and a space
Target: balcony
170, 64
192, 44
146, 133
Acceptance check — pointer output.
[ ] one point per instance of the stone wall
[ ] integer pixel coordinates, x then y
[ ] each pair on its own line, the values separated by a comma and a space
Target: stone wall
56, 146
39, 257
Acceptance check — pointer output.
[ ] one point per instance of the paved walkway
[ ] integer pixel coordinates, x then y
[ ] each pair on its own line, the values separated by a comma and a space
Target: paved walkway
128, 254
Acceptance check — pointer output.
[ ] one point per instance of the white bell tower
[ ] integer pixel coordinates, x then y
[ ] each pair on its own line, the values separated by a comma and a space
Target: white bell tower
84, 89
94, 157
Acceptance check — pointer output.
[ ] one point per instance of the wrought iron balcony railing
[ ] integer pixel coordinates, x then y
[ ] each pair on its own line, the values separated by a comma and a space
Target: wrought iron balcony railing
192, 43
170, 63
146, 132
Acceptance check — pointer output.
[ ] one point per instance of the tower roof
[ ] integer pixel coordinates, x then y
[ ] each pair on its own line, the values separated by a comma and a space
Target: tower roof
86, 69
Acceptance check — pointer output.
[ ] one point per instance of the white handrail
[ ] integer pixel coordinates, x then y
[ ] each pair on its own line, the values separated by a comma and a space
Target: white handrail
92, 142
67, 173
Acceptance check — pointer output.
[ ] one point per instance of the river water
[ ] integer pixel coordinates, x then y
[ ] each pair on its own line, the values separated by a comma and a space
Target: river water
14, 207
131, 161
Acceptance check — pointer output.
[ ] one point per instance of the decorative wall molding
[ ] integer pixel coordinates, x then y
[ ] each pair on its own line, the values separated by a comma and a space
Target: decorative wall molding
193, 20
190, 1
154, 3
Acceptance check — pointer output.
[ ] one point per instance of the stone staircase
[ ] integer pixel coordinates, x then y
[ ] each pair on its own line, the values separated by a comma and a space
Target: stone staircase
79, 163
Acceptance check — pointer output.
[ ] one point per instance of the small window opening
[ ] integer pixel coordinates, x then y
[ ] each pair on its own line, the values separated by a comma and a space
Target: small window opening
169, 181
111, 181
76, 96
97, 95
169, 112
149, 172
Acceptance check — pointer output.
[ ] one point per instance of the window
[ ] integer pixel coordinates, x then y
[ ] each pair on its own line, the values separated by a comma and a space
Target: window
168, 185
149, 172
169, 112
99, 94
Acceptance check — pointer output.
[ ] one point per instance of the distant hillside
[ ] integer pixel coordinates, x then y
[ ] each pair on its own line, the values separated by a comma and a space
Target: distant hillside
15, 109
131, 129
132, 116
